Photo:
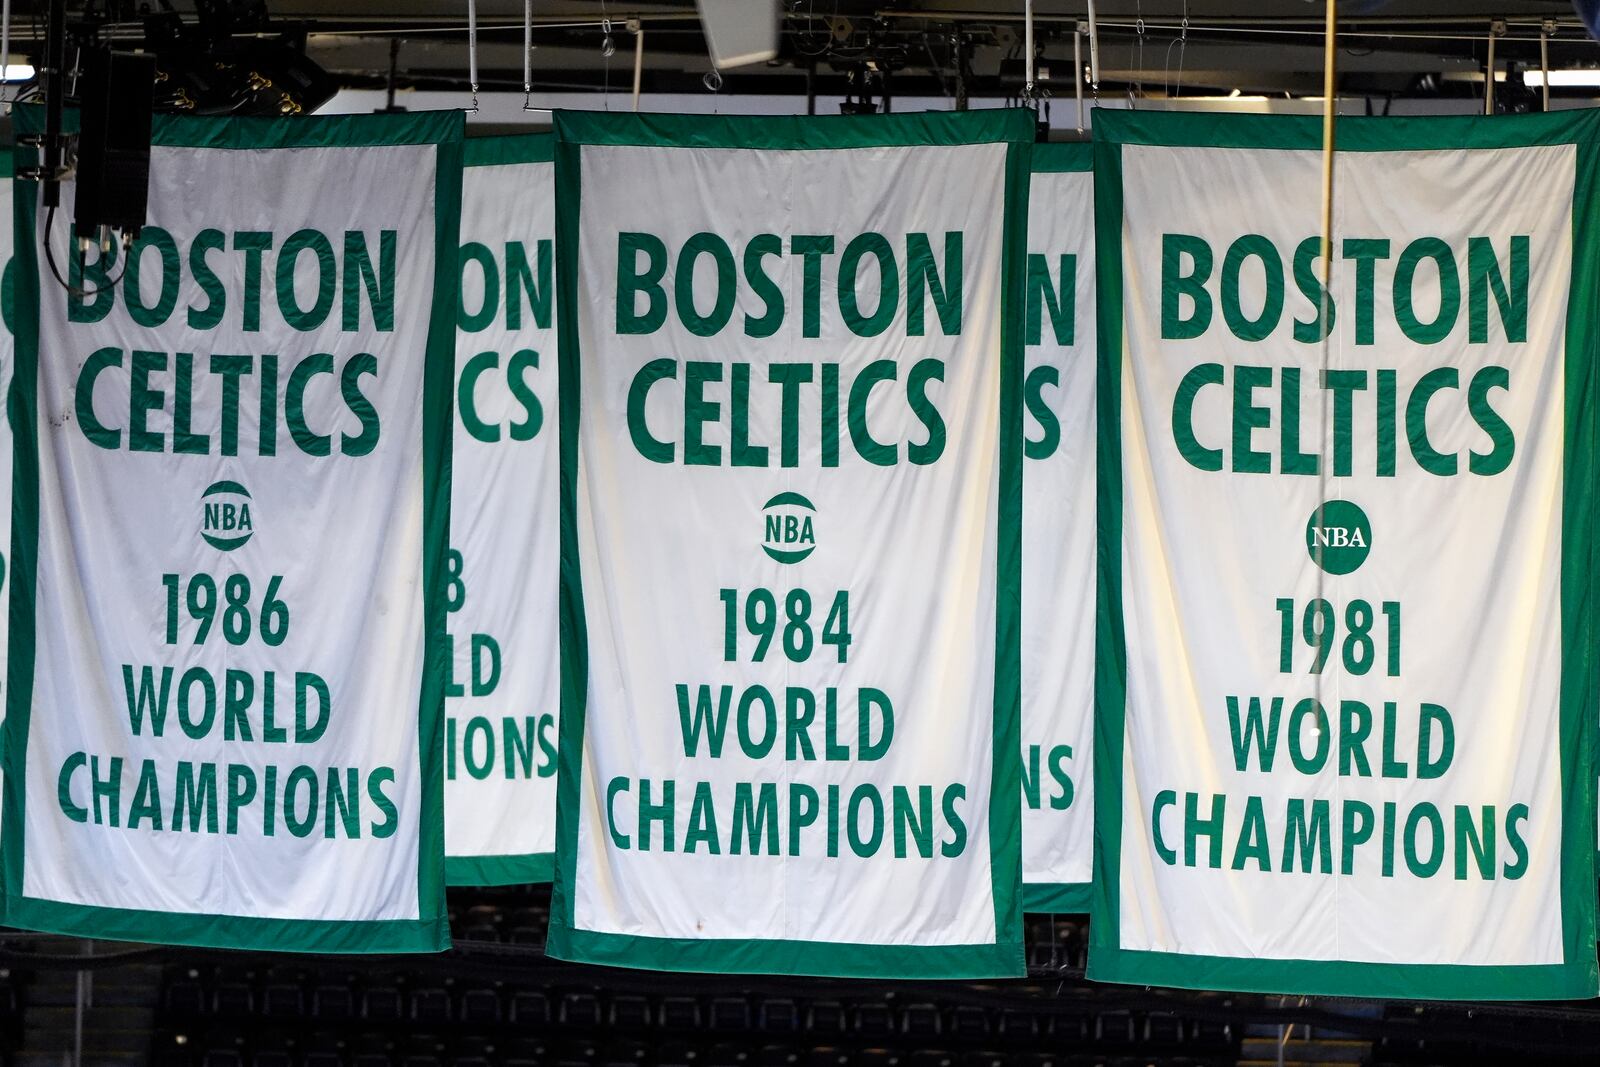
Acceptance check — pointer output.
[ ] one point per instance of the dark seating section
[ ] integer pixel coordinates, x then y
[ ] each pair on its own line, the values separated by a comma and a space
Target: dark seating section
348, 1013
12, 984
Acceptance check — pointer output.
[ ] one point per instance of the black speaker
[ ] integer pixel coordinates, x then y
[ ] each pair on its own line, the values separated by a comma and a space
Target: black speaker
113, 173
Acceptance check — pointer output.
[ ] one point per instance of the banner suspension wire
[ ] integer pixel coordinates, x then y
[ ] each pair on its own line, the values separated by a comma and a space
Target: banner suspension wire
1330, 57
472, 51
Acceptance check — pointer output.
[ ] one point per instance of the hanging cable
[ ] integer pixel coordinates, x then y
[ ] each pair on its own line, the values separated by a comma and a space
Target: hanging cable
472, 51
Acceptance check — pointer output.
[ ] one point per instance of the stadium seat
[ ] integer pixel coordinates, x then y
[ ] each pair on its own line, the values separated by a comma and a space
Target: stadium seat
529, 1007
282, 997
232, 995
873, 1019
680, 1014
825, 1017
580, 1009
431, 1006
480, 1007
629, 1010
730, 1013
776, 1056
333, 1002
1115, 1029
921, 1020
185, 996
968, 1021
778, 1015
624, 1052
381, 1003
1163, 1031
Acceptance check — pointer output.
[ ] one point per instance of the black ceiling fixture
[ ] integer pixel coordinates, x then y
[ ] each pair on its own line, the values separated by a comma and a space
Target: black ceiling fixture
231, 61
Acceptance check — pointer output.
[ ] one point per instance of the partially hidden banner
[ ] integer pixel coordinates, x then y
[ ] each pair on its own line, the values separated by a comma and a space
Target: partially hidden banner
1345, 675
225, 709
791, 483
502, 695
1058, 534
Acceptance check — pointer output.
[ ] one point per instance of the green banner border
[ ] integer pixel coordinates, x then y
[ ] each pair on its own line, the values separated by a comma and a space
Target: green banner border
1578, 978
1004, 956
515, 148
526, 869
430, 931
1059, 898
1063, 157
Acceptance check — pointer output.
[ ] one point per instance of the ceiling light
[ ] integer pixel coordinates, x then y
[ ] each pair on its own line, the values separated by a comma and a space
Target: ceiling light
1577, 78
16, 72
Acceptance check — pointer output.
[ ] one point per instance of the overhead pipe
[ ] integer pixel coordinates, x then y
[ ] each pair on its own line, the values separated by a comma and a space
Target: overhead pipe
1094, 48
1077, 69
638, 58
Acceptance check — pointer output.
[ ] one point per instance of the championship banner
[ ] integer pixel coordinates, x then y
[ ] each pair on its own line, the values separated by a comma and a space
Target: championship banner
1345, 675
227, 669
791, 457
500, 736
1058, 534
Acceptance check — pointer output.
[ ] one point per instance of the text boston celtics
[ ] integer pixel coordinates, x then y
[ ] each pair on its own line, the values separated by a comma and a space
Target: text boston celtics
879, 282
355, 288
1203, 292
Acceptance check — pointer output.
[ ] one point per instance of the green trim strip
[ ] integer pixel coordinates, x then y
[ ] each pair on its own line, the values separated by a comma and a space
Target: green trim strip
1356, 134
438, 428
1580, 571
1057, 898
780, 132
1110, 643
1005, 778
23, 409
1002, 958
815, 958
499, 870
1579, 977
429, 932
1064, 157
1339, 978
304, 131
520, 148
573, 628
342, 937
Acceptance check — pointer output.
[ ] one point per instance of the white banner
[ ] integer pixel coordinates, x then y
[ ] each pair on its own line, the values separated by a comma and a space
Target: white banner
1346, 675
502, 694
1058, 534
226, 698
791, 465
